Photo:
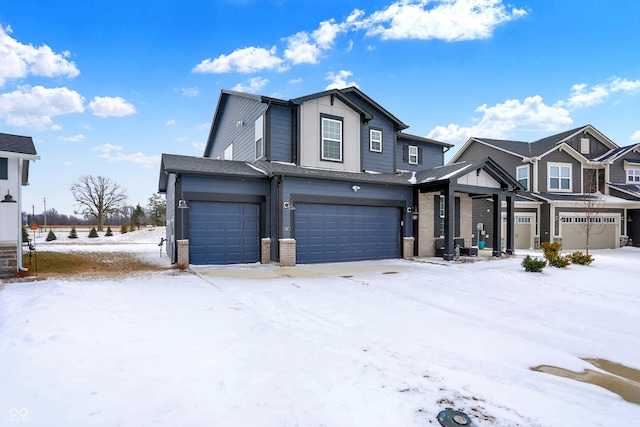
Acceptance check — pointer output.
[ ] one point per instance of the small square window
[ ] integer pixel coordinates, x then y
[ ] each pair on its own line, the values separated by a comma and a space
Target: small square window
633, 176
559, 177
375, 140
413, 155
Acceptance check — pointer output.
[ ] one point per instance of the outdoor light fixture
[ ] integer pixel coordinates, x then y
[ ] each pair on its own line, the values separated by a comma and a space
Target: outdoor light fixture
182, 204
8, 198
355, 188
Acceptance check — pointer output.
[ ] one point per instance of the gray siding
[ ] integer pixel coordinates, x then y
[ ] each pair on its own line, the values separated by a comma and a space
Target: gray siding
596, 148
617, 174
430, 156
224, 185
374, 161
508, 162
279, 134
559, 157
545, 223
228, 131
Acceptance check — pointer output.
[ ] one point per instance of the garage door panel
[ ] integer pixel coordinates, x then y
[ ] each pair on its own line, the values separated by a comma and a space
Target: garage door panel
223, 233
330, 233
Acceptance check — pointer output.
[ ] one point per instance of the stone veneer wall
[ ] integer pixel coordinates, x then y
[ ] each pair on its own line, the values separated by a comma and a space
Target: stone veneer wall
287, 252
426, 241
8, 259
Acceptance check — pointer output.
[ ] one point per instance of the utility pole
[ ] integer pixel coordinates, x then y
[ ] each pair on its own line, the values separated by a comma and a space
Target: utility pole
45, 214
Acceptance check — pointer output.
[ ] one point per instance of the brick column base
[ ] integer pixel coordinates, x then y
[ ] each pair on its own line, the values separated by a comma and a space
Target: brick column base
265, 249
183, 254
287, 252
407, 247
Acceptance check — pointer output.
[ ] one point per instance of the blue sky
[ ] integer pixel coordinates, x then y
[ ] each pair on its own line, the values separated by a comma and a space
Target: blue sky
105, 87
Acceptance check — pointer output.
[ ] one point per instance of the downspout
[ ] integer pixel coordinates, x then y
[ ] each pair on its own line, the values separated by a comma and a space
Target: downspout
19, 257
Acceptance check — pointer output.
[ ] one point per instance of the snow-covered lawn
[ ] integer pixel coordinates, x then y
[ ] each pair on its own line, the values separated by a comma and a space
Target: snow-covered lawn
385, 343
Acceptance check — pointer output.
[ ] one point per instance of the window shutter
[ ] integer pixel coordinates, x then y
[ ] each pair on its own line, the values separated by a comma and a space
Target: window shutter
405, 153
457, 217
420, 155
436, 215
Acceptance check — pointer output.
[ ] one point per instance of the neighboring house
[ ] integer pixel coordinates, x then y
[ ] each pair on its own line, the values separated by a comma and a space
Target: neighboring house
327, 177
576, 182
15, 153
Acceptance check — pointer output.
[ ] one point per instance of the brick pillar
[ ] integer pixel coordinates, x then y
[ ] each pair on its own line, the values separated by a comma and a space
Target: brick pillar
407, 247
183, 254
8, 260
265, 251
287, 252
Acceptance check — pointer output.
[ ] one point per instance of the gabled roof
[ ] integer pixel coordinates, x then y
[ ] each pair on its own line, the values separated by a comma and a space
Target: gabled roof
617, 153
341, 95
630, 189
17, 144
451, 172
538, 147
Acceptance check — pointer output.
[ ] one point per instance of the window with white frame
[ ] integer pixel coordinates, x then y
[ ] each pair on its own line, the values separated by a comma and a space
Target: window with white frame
331, 139
442, 214
559, 177
522, 175
375, 140
413, 154
228, 153
4, 168
259, 137
633, 175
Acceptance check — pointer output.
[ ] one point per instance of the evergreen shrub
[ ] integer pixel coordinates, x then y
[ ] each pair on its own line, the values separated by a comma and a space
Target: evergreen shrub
109, 233
580, 258
533, 265
73, 234
93, 233
51, 236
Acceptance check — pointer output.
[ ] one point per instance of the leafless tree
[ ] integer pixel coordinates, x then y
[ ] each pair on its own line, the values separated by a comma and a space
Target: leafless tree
592, 207
98, 196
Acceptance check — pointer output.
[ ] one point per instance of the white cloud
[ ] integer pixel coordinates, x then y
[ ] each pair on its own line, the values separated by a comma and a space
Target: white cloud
255, 85
106, 148
246, 60
74, 138
106, 106
624, 85
170, 122
502, 119
113, 153
339, 80
326, 33
187, 92
581, 97
203, 126
636, 136
442, 19
35, 107
200, 146
19, 60
300, 50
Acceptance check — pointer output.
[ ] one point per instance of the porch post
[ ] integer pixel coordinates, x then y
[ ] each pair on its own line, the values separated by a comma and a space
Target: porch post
510, 240
497, 225
449, 213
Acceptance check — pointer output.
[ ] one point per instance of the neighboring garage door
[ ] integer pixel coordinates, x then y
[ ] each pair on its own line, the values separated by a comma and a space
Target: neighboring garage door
602, 235
223, 232
330, 233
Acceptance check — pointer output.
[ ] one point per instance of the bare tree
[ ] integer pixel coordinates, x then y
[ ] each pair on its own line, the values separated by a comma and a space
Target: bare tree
98, 196
592, 207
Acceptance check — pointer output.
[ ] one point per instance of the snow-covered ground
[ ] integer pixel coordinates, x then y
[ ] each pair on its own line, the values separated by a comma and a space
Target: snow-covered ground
385, 343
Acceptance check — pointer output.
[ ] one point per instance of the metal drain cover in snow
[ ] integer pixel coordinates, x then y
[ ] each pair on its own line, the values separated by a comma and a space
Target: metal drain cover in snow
449, 418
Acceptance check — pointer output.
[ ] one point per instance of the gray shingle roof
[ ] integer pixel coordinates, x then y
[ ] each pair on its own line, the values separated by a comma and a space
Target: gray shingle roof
17, 144
628, 188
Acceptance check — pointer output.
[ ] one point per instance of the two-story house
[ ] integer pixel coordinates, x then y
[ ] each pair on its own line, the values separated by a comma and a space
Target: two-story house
322, 178
15, 153
578, 183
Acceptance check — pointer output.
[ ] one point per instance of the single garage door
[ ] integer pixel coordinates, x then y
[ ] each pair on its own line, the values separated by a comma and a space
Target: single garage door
335, 233
603, 233
223, 232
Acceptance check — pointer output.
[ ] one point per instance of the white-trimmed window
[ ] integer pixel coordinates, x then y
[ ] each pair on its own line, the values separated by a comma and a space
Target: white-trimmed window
584, 145
331, 139
633, 175
442, 214
559, 177
228, 153
522, 175
4, 168
413, 154
375, 140
259, 137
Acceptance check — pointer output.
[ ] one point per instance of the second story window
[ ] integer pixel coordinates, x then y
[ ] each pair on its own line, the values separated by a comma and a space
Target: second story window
4, 168
331, 139
522, 174
259, 137
413, 155
633, 176
375, 140
559, 177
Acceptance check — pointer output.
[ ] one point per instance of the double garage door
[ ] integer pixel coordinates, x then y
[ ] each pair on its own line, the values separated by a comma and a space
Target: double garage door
336, 233
229, 233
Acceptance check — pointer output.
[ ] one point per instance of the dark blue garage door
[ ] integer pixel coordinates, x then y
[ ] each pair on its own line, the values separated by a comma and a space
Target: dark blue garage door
330, 233
223, 233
